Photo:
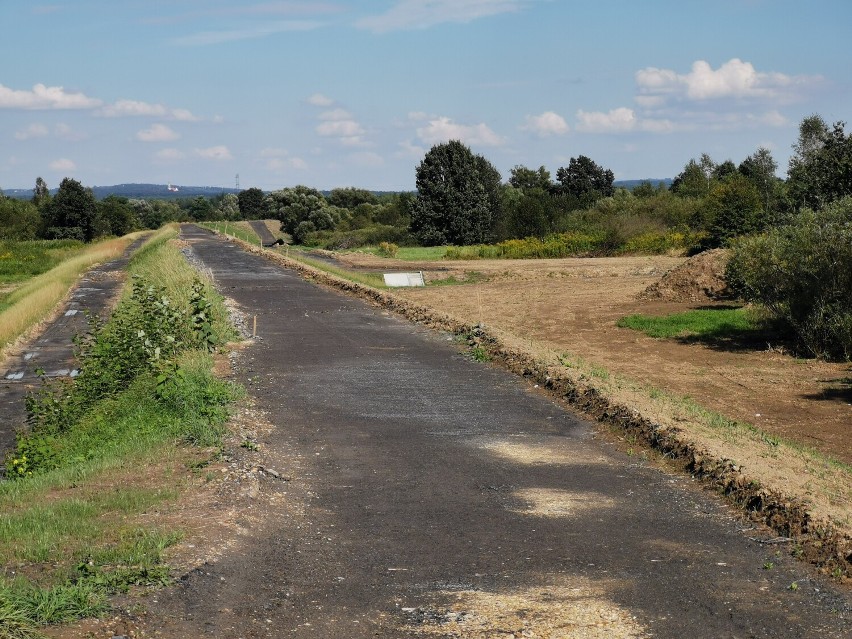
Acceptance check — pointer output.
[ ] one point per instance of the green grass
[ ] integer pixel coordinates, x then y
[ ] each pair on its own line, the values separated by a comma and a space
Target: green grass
20, 261
375, 280
72, 530
702, 324
413, 253
241, 230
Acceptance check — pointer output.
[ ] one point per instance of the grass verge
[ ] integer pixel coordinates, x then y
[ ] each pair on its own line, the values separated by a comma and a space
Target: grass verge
240, 229
34, 300
71, 530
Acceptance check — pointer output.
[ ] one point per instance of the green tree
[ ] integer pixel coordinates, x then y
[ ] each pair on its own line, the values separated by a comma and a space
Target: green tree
458, 196
251, 204
228, 208
820, 172
351, 197
19, 220
201, 209
527, 179
41, 194
759, 168
72, 213
585, 180
303, 210
116, 216
691, 182
733, 208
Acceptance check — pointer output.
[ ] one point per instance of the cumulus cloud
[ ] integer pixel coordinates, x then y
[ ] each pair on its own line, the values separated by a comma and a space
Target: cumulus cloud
547, 124
44, 97
421, 14
218, 153
733, 79
340, 124
320, 100
31, 132
157, 133
62, 164
443, 129
614, 121
136, 108
285, 164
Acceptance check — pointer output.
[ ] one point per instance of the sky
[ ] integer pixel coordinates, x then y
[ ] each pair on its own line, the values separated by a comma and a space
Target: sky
336, 93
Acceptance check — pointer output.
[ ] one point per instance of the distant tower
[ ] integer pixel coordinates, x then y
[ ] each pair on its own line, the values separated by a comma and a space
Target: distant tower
238, 182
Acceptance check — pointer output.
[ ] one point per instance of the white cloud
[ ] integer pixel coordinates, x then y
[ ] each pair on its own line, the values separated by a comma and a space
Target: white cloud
260, 30
136, 108
62, 164
340, 128
547, 124
421, 14
170, 155
614, 121
443, 129
44, 97
31, 132
320, 100
335, 114
285, 164
733, 79
410, 150
218, 153
157, 133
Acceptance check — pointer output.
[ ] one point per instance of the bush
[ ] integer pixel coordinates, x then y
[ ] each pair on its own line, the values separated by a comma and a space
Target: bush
356, 238
802, 273
388, 249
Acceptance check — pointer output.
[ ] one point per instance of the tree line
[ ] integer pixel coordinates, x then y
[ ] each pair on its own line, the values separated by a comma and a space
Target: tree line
462, 199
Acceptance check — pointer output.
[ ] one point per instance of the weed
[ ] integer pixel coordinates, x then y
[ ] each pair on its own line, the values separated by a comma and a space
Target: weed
768, 565
479, 354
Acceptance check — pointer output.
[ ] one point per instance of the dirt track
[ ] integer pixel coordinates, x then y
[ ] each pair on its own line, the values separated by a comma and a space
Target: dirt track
423, 494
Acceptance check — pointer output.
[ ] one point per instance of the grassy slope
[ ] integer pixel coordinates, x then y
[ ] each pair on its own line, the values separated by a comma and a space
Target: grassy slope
70, 537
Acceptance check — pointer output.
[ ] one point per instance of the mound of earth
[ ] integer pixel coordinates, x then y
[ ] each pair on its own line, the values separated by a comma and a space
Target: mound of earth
700, 278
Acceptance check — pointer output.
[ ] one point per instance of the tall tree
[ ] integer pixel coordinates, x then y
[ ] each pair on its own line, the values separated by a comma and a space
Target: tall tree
820, 172
455, 196
72, 213
41, 194
759, 168
585, 180
251, 204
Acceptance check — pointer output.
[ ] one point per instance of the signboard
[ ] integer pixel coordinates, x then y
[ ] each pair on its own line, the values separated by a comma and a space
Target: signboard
405, 279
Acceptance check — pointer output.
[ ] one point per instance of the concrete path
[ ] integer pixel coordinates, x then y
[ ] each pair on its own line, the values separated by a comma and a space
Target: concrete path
436, 496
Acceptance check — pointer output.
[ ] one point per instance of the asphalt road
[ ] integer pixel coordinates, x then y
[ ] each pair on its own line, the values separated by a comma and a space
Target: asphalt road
433, 495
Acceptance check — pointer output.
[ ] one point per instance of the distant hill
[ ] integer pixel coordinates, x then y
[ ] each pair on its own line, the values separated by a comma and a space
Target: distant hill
632, 184
139, 191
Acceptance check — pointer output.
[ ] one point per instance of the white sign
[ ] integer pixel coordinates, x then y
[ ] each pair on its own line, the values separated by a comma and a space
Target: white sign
405, 279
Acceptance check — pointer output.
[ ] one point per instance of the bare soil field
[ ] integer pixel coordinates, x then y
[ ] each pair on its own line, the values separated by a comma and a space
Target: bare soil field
568, 308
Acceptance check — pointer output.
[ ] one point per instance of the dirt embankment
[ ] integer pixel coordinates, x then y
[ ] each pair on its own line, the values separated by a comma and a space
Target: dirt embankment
802, 497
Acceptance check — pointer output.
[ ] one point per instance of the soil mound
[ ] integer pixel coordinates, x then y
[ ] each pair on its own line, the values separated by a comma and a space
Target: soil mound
700, 278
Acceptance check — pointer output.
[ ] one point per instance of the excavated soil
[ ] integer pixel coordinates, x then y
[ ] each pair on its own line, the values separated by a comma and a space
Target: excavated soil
700, 278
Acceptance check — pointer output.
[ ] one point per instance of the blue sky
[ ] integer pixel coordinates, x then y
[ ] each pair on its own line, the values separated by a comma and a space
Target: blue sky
343, 93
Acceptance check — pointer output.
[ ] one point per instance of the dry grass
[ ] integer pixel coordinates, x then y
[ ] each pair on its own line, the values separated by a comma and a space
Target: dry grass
34, 300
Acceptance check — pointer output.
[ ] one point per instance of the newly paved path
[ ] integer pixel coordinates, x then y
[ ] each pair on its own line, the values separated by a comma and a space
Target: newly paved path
52, 352
436, 496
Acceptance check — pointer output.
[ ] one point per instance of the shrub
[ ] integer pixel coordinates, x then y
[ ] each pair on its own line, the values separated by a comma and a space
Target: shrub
802, 273
388, 249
